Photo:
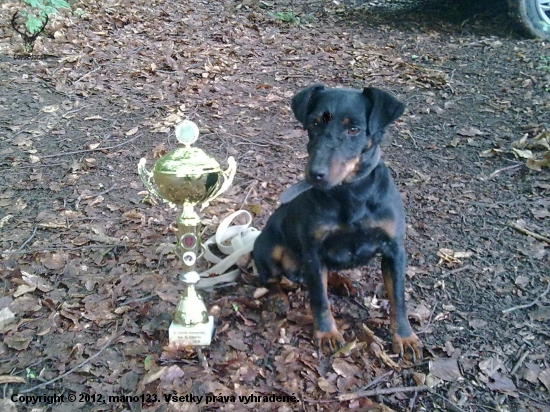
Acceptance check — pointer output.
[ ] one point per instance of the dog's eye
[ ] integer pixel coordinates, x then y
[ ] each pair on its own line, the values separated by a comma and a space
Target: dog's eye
353, 130
314, 125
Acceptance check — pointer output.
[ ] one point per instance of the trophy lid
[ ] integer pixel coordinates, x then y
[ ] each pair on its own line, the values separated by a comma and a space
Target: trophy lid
187, 160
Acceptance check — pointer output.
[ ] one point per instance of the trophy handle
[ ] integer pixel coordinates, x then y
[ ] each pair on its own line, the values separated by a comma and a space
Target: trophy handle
228, 176
146, 177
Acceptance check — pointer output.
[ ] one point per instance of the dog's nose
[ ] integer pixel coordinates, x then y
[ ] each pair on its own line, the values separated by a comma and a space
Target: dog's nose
317, 175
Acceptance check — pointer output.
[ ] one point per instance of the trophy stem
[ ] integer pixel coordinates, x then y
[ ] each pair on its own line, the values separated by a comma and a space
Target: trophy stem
188, 233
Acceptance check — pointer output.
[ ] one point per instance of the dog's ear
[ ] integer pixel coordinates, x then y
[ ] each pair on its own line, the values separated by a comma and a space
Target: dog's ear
385, 109
301, 99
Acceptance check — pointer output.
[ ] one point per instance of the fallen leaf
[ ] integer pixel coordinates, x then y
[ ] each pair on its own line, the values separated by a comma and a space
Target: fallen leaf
326, 386
25, 304
22, 289
237, 344
17, 342
10, 379
153, 375
6, 317
522, 280
132, 131
491, 152
541, 314
490, 366
477, 323
531, 372
345, 368
54, 261
544, 377
469, 132
174, 372
504, 385
259, 292
524, 154
36, 281
537, 165
540, 213
445, 369
521, 143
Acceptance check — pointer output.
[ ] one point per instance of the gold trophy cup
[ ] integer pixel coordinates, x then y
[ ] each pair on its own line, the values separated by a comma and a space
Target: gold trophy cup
187, 177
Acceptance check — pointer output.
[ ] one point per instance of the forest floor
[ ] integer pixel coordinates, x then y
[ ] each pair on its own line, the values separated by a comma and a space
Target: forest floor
87, 271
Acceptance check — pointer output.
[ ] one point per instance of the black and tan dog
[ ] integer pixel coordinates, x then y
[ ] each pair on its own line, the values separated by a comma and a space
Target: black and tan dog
346, 211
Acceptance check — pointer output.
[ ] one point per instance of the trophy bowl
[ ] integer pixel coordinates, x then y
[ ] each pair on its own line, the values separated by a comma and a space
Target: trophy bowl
187, 176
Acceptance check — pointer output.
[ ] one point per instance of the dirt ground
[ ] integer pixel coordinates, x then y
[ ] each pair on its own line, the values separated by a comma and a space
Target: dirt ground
87, 275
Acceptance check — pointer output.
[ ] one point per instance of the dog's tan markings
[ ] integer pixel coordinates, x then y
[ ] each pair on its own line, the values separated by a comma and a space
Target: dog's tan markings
388, 284
351, 175
340, 171
368, 145
388, 226
324, 231
345, 121
277, 253
285, 258
330, 339
409, 346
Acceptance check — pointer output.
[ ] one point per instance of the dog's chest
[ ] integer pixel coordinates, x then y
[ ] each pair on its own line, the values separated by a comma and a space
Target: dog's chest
347, 246
364, 230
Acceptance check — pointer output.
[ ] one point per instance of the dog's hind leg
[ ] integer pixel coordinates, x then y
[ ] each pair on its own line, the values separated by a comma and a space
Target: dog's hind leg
262, 255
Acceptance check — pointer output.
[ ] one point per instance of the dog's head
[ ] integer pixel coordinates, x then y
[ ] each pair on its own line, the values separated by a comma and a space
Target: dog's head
345, 127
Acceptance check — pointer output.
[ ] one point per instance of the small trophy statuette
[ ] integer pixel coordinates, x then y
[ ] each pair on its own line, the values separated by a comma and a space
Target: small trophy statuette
191, 325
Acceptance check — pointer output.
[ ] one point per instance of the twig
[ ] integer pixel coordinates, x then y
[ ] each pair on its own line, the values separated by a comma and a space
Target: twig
376, 346
28, 240
519, 362
81, 364
530, 233
528, 305
452, 272
429, 320
252, 186
51, 249
97, 149
377, 392
86, 197
34, 166
448, 404
142, 299
496, 172
87, 74
538, 401
376, 381
75, 110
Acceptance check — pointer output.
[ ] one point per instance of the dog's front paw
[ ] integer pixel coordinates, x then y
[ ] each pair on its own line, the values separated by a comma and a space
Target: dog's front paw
329, 341
409, 347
